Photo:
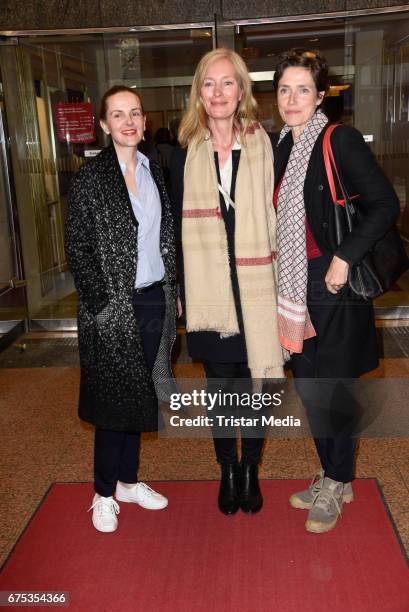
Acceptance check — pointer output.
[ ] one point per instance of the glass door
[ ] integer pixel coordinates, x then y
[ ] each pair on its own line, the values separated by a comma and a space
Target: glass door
13, 311
369, 89
49, 82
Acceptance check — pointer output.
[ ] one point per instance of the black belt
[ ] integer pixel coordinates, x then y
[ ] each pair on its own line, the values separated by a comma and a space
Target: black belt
154, 285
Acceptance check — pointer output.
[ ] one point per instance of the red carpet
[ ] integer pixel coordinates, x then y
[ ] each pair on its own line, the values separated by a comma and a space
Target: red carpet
190, 557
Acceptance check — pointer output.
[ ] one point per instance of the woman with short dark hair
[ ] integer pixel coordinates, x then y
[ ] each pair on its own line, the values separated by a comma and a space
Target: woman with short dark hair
327, 331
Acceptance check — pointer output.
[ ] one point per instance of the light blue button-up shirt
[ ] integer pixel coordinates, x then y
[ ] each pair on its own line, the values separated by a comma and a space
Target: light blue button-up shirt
147, 209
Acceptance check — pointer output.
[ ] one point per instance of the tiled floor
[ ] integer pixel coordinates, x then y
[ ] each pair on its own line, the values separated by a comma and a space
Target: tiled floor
43, 441
398, 295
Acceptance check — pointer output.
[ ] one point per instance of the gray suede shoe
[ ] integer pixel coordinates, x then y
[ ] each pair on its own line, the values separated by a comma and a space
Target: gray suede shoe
326, 507
305, 499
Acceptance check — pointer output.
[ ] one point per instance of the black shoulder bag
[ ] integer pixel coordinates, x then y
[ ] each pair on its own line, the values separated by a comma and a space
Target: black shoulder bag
386, 261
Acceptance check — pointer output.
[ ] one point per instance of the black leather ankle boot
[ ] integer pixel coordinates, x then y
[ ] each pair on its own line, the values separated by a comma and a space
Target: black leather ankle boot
229, 492
251, 499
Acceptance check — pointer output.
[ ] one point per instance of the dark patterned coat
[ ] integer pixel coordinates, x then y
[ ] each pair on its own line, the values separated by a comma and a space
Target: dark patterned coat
117, 392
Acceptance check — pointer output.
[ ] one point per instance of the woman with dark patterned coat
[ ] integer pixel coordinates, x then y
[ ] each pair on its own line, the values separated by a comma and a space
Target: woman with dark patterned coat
120, 248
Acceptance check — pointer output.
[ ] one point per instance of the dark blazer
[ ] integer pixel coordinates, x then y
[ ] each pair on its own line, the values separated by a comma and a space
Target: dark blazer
117, 389
207, 345
349, 347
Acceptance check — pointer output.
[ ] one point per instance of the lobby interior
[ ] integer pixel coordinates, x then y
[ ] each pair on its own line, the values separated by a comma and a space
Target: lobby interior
43, 440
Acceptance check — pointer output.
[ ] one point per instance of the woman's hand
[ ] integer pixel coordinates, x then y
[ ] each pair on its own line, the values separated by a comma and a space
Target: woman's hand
337, 274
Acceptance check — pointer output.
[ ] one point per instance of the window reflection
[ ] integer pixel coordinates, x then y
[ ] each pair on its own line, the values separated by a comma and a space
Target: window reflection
369, 76
66, 77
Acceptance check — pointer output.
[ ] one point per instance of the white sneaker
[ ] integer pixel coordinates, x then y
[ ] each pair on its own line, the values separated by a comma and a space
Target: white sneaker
141, 494
104, 511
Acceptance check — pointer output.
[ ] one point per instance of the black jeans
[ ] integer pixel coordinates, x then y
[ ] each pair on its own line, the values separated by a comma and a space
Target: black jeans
230, 378
116, 453
331, 408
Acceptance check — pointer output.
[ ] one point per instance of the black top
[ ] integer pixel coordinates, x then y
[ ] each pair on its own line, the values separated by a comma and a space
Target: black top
208, 346
361, 175
348, 346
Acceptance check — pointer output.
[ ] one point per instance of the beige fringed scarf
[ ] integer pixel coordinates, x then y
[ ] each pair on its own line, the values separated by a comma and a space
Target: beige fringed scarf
209, 296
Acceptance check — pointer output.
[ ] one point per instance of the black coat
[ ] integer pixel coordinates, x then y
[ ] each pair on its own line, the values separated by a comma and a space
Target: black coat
349, 347
117, 388
207, 345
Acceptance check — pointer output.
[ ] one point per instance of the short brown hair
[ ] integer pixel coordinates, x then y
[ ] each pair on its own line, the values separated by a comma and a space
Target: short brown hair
303, 58
111, 92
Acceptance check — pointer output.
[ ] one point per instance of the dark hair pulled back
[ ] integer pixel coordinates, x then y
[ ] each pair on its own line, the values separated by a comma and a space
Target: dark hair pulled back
111, 92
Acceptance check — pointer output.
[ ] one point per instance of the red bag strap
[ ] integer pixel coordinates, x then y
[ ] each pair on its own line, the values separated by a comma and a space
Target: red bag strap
329, 162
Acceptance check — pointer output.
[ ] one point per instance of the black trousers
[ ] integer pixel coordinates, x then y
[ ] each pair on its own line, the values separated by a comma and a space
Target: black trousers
116, 453
231, 378
330, 405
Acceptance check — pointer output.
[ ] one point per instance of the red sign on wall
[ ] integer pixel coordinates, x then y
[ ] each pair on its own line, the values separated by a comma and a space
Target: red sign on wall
75, 121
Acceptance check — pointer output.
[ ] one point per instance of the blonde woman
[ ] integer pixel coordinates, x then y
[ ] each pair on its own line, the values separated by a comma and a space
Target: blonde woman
222, 184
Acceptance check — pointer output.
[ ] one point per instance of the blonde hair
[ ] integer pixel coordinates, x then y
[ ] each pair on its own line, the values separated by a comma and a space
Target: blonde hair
193, 127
